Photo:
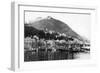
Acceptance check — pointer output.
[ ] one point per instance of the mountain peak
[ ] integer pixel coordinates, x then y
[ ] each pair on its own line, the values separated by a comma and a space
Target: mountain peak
56, 25
49, 17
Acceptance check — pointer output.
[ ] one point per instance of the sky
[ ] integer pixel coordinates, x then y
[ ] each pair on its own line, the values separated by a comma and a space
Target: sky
80, 23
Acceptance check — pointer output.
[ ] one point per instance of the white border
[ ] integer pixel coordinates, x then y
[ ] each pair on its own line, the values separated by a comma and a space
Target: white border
18, 37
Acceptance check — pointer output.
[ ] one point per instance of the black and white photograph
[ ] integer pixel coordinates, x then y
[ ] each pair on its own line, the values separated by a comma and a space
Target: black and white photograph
56, 36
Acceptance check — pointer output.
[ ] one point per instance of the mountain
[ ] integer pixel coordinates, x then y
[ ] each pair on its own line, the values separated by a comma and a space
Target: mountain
54, 25
29, 30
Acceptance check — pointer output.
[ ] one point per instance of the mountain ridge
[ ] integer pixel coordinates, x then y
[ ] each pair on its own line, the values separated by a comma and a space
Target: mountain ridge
53, 24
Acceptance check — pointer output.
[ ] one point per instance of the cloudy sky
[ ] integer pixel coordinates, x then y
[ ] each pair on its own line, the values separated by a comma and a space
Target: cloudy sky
80, 23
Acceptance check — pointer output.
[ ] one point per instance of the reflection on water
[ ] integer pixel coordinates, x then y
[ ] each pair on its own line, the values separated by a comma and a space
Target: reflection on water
58, 55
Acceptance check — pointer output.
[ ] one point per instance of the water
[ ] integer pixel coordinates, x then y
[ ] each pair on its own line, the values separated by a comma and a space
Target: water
82, 55
43, 56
